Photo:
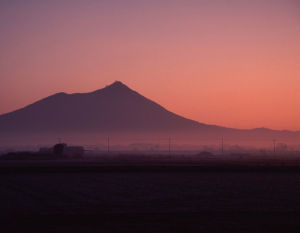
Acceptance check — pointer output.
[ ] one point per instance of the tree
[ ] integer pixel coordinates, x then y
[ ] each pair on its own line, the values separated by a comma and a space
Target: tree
58, 149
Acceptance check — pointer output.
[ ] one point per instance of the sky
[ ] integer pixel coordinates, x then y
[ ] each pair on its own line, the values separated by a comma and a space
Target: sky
233, 63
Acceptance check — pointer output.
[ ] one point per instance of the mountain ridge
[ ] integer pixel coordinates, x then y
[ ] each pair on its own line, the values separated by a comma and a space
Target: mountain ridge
116, 108
116, 94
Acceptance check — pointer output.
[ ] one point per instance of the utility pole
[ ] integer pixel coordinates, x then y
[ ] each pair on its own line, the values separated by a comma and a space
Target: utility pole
222, 145
169, 145
274, 144
108, 144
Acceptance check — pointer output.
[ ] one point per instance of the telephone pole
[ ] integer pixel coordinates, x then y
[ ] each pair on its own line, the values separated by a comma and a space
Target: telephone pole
222, 145
169, 145
108, 144
274, 144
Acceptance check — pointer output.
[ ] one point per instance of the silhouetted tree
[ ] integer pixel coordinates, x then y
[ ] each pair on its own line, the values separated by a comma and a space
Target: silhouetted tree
58, 149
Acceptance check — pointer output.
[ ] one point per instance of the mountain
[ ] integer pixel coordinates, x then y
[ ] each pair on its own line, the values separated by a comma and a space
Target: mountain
113, 109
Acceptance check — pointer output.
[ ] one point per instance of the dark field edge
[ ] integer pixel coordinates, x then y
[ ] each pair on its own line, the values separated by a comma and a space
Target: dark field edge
151, 222
143, 168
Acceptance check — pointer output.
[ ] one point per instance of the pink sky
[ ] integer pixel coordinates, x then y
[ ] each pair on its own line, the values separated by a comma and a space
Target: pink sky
233, 63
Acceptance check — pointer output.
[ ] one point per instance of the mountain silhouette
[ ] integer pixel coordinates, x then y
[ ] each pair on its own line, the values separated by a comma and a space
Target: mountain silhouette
115, 108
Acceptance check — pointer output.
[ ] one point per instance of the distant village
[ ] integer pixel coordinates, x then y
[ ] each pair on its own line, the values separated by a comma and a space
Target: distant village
58, 151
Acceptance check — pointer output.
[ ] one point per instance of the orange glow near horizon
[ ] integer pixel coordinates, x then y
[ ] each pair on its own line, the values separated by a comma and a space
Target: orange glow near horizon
230, 63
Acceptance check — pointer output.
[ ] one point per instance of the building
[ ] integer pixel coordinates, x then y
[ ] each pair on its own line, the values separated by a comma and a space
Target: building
62, 149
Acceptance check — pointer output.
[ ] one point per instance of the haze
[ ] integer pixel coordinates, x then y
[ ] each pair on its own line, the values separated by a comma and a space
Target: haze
230, 63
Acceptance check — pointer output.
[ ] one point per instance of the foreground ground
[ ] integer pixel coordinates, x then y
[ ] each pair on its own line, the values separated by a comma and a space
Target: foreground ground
80, 196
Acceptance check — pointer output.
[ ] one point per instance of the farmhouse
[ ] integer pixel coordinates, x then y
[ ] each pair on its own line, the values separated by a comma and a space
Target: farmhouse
63, 149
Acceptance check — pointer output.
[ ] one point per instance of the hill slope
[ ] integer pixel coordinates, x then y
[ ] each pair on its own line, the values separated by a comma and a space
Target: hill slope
117, 109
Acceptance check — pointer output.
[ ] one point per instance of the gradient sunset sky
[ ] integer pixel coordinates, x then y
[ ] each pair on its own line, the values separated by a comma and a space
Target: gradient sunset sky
233, 63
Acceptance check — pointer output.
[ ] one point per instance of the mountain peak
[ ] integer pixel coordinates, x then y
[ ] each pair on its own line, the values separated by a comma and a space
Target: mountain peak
117, 84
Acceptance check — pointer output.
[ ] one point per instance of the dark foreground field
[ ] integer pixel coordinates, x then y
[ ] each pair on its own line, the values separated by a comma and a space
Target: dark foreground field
41, 197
